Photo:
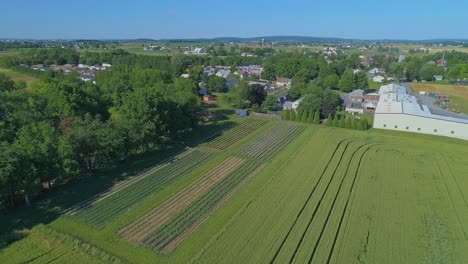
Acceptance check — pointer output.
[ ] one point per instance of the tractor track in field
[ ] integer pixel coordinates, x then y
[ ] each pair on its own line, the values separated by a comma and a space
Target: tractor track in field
320, 203
452, 203
334, 201
347, 203
345, 141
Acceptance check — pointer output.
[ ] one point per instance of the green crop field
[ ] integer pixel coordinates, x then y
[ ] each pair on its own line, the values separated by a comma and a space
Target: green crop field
272, 191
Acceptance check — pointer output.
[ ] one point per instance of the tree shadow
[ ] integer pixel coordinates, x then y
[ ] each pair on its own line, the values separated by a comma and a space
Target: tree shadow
46, 207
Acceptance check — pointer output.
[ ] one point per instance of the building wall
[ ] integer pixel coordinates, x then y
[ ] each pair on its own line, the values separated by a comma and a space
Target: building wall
423, 125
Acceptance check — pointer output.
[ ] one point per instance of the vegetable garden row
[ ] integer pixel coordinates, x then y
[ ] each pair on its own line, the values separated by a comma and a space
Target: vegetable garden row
266, 146
104, 211
155, 218
234, 134
168, 236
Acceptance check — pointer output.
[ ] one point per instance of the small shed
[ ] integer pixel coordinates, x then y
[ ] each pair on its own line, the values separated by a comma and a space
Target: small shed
241, 112
208, 98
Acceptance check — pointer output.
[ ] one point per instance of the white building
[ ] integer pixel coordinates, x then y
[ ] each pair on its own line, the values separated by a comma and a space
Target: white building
378, 79
288, 105
392, 88
197, 51
401, 111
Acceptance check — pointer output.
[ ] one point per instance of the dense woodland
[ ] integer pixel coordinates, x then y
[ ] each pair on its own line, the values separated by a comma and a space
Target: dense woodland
61, 128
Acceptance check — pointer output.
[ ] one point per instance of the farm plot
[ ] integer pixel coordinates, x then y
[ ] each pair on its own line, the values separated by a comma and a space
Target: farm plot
104, 211
152, 220
169, 235
266, 146
121, 185
42, 248
234, 134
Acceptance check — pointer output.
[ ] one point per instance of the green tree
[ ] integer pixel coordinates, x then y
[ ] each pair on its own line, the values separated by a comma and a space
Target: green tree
304, 117
353, 123
299, 115
330, 120
216, 84
331, 81
361, 80
310, 118
293, 116
347, 82
270, 103
317, 117
342, 122
348, 123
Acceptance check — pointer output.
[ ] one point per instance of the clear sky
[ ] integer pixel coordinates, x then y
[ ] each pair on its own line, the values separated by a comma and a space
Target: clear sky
125, 19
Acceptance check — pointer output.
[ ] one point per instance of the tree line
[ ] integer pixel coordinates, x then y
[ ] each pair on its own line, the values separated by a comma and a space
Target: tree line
60, 128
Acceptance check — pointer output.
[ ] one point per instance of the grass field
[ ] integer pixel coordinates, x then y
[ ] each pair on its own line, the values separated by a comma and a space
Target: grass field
18, 76
283, 192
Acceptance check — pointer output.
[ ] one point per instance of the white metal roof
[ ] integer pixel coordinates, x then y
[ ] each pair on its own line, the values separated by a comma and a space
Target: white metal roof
395, 103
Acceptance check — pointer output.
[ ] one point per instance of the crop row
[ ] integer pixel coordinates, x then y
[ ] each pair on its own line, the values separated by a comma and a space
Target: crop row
168, 236
155, 218
266, 146
45, 245
234, 134
122, 185
106, 210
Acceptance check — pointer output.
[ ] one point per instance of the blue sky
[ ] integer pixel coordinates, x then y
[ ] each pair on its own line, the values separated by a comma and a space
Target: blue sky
106, 19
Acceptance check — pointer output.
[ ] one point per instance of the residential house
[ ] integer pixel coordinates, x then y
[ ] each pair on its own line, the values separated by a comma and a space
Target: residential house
288, 105
442, 63
438, 77
283, 82
223, 73
356, 95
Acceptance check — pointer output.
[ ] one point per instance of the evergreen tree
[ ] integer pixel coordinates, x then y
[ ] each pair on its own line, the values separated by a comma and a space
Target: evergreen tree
336, 121
304, 117
348, 123
317, 117
298, 116
354, 124
359, 125
342, 122
293, 116
287, 115
347, 82
329, 120
310, 118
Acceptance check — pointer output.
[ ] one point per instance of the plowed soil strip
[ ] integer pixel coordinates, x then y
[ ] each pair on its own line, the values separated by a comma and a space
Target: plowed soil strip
157, 217
170, 247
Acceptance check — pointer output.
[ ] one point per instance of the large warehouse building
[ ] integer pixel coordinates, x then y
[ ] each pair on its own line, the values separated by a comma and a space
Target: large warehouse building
398, 110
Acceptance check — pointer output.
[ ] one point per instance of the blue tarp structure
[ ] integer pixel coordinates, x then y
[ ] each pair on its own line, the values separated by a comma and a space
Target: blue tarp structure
241, 112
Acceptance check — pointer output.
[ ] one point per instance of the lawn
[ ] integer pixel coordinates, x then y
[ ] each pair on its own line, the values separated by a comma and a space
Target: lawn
316, 195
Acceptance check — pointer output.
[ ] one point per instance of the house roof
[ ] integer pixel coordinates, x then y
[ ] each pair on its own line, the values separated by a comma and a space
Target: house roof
283, 80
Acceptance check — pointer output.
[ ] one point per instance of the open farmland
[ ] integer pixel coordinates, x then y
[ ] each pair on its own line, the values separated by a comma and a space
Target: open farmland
270, 191
457, 90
